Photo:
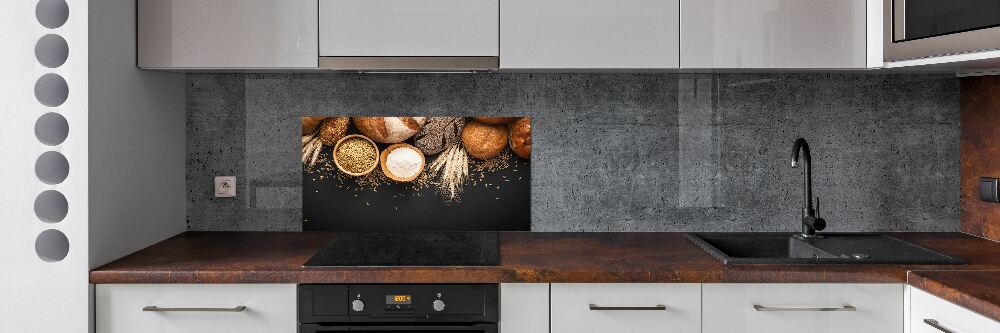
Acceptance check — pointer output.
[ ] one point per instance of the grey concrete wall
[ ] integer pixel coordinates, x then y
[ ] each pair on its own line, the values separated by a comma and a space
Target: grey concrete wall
616, 152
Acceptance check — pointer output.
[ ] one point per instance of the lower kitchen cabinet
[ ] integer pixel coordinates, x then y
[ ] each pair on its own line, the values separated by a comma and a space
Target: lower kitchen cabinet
625, 307
196, 308
804, 308
569, 308
930, 314
524, 308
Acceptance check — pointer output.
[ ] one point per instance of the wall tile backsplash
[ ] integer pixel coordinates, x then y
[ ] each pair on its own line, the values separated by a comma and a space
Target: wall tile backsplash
616, 152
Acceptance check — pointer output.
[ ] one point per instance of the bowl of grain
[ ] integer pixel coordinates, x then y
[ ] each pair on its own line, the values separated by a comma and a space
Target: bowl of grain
355, 155
402, 162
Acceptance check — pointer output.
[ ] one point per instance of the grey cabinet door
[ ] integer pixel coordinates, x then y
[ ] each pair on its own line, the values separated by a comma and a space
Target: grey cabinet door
589, 34
406, 28
766, 34
239, 34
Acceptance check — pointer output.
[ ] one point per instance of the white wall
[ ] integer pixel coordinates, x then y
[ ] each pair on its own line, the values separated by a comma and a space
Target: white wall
124, 187
38, 295
137, 187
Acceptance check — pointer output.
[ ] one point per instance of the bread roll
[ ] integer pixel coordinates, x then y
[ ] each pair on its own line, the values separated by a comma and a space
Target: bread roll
310, 124
495, 120
484, 141
520, 137
389, 129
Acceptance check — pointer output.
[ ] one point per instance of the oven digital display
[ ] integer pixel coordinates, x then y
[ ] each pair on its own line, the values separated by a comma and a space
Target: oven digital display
398, 299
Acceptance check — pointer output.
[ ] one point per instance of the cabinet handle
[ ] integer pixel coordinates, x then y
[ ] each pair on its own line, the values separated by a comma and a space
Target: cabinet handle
154, 308
595, 307
935, 324
759, 307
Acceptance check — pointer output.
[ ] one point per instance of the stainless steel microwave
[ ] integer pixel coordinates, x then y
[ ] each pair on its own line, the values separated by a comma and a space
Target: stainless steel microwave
916, 29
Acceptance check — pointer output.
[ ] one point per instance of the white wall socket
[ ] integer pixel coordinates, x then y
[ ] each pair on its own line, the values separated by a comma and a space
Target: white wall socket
225, 187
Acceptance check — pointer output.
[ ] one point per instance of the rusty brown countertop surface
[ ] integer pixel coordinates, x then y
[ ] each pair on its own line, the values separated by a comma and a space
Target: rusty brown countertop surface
277, 257
978, 291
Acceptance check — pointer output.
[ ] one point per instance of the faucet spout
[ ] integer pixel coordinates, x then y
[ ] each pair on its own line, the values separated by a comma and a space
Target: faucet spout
810, 222
802, 146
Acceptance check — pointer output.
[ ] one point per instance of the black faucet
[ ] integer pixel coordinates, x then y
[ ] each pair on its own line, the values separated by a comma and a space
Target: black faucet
810, 221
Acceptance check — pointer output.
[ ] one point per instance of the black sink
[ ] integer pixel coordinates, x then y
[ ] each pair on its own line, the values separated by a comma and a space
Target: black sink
837, 248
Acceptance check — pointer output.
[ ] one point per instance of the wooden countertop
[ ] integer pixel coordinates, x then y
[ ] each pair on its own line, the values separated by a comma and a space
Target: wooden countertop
276, 257
978, 291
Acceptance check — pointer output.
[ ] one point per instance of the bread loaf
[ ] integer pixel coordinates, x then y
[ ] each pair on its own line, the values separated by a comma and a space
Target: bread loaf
389, 129
495, 120
310, 124
484, 141
520, 137
333, 129
438, 134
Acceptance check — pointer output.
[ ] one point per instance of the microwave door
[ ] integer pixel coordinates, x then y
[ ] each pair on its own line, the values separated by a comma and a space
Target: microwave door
916, 19
915, 29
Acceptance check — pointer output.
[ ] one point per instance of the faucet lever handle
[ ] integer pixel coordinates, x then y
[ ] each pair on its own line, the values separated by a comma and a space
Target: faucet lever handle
817, 206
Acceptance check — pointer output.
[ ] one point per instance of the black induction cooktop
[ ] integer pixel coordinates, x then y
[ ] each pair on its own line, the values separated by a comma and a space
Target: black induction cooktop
435, 248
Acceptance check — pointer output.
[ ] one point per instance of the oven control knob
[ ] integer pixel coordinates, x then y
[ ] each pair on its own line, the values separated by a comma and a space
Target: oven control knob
358, 305
438, 305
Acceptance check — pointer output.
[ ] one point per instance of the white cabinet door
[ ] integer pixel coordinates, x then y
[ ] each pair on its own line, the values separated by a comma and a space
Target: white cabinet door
626, 307
773, 34
270, 308
227, 33
588, 34
524, 308
425, 28
803, 308
927, 310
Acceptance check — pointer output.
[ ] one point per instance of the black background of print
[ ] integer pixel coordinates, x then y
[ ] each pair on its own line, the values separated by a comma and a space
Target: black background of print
397, 207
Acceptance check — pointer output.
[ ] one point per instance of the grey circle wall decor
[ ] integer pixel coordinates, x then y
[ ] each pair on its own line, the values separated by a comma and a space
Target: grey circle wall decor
51, 206
52, 168
52, 245
51, 51
52, 13
51, 90
51, 129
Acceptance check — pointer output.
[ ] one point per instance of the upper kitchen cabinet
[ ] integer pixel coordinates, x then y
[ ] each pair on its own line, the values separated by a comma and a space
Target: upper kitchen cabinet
406, 34
790, 34
589, 34
222, 34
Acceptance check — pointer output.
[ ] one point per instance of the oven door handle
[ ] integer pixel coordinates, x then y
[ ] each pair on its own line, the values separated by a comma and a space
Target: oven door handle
314, 328
400, 327
485, 328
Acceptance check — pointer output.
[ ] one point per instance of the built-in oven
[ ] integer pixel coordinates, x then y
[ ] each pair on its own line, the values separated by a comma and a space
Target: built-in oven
916, 29
385, 308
